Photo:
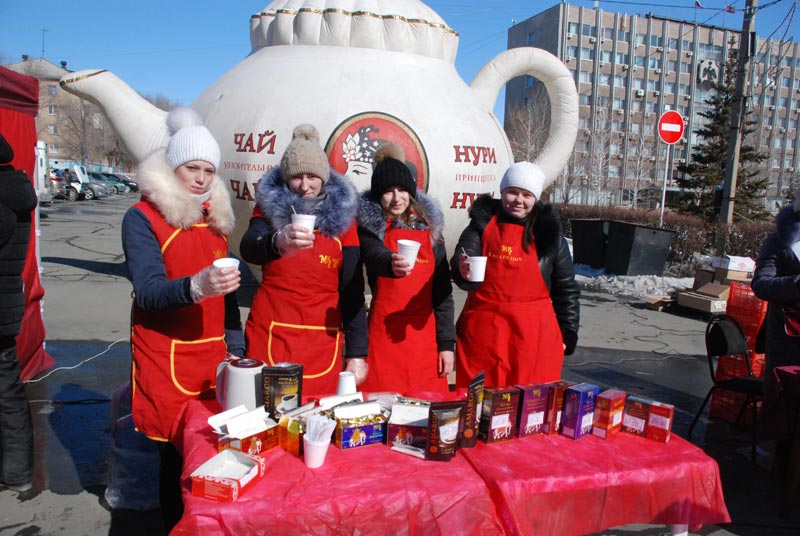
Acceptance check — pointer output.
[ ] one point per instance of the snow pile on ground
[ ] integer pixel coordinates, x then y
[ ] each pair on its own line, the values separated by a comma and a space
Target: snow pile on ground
628, 285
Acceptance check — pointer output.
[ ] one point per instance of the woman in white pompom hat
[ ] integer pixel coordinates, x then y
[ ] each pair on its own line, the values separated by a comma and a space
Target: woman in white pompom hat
184, 317
518, 323
309, 308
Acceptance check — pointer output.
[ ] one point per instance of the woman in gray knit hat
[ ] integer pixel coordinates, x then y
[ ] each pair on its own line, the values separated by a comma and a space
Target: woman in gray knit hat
309, 308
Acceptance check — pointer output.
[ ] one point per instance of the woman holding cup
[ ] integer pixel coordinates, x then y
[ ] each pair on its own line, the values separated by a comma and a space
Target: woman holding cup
309, 308
411, 332
184, 316
522, 317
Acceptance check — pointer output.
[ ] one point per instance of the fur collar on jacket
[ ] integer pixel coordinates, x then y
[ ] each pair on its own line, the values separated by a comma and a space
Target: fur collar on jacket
370, 216
335, 208
546, 228
787, 226
158, 184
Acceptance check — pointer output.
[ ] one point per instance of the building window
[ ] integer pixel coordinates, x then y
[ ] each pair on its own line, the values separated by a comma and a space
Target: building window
52, 129
572, 28
634, 128
587, 53
585, 99
531, 38
623, 35
669, 87
572, 52
585, 77
608, 33
618, 104
589, 31
650, 108
616, 126
619, 80
52, 110
613, 171
51, 89
605, 79
52, 148
622, 57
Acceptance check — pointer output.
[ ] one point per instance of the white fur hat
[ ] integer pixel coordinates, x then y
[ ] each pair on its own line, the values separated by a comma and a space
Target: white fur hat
524, 175
190, 139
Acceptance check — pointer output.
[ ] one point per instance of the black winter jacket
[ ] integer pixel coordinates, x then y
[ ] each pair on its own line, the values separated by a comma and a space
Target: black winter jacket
17, 200
555, 261
777, 280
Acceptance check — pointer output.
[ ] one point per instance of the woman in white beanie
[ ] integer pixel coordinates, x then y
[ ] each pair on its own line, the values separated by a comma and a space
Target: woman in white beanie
411, 330
518, 323
184, 309
309, 308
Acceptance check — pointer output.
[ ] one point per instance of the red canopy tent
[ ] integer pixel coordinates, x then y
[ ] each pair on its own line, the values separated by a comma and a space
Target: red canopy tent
19, 104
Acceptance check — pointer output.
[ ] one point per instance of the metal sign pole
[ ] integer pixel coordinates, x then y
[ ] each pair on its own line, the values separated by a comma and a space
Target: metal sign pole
664, 186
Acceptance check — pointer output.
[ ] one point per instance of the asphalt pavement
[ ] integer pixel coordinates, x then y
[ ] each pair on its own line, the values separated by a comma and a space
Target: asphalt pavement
659, 355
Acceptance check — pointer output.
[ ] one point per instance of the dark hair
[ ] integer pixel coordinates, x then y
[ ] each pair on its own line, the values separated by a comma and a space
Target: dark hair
530, 223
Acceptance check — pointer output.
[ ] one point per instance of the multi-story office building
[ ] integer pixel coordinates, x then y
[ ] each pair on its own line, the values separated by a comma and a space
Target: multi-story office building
628, 70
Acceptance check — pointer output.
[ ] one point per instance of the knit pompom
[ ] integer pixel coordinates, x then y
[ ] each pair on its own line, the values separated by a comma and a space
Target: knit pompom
181, 118
305, 132
390, 150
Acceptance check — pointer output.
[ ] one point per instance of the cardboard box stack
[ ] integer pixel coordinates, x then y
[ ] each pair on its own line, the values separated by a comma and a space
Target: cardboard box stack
711, 287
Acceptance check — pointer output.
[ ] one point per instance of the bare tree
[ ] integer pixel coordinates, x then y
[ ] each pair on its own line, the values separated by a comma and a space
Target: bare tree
640, 163
527, 126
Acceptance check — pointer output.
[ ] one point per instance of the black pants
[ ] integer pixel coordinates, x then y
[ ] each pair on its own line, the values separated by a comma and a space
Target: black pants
170, 485
16, 426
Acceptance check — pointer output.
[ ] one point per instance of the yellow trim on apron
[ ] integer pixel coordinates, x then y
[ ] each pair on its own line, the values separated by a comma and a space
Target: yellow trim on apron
175, 342
300, 326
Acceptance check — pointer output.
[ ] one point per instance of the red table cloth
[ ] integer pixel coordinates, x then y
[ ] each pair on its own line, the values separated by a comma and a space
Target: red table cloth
366, 490
556, 485
538, 485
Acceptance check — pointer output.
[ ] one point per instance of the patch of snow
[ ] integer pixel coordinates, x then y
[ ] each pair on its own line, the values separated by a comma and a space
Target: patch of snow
629, 285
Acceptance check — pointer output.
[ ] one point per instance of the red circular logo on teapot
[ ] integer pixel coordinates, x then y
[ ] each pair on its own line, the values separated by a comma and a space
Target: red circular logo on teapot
351, 148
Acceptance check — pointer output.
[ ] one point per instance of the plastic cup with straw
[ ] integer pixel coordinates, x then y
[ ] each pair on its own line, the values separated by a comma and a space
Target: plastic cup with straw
316, 440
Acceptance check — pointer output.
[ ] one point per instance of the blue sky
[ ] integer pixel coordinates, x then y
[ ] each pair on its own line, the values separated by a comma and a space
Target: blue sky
176, 48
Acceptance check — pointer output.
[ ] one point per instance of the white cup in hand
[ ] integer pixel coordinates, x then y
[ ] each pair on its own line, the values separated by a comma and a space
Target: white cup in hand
408, 249
305, 220
476, 268
226, 262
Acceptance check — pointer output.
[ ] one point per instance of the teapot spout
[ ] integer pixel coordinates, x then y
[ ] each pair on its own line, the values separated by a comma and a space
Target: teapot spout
139, 125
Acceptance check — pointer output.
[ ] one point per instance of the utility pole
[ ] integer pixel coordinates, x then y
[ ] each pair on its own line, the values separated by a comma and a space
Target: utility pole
737, 119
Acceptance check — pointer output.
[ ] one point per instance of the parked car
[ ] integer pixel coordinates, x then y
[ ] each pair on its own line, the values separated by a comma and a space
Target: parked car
59, 185
129, 180
81, 186
115, 185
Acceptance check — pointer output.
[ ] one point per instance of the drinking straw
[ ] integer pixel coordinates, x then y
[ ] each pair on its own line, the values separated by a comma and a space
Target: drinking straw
319, 428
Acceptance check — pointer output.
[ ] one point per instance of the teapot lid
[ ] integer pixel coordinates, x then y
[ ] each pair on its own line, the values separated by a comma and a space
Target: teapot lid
399, 25
246, 362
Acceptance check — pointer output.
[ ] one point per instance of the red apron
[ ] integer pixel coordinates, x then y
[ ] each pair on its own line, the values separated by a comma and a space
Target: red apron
403, 354
176, 352
295, 315
508, 327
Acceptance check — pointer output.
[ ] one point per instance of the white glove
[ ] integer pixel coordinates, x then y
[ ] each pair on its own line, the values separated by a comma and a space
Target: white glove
358, 366
211, 281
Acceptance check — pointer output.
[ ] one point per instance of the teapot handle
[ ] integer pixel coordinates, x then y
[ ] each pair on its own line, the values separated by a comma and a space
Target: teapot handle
560, 86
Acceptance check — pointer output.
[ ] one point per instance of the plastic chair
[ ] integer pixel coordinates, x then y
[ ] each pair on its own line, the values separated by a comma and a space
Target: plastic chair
724, 336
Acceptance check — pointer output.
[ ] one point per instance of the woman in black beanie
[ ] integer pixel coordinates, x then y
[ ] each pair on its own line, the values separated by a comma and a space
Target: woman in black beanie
411, 331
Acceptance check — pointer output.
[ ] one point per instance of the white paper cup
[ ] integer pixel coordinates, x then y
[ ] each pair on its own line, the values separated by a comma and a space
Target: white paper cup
226, 262
314, 452
477, 268
347, 383
408, 249
306, 220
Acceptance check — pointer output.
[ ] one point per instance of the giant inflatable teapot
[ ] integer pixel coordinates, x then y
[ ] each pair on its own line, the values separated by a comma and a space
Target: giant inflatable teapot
363, 72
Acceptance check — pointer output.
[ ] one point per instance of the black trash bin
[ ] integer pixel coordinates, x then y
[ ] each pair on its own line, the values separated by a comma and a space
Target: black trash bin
589, 242
636, 249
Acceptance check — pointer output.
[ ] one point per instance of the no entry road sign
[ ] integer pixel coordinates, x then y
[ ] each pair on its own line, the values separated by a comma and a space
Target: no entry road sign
670, 127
